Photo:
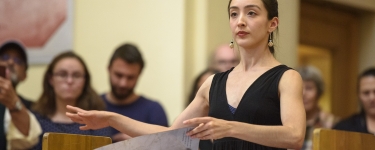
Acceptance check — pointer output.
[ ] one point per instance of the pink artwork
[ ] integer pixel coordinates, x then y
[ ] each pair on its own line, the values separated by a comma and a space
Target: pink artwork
32, 22
44, 27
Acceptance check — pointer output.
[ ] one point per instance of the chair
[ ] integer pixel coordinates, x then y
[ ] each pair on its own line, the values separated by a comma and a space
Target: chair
63, 141
327, 139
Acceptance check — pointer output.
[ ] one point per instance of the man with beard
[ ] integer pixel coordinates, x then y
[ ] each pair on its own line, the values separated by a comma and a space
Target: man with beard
124, 69
18, 128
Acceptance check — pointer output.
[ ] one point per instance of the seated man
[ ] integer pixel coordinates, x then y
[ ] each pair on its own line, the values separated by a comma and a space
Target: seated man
124, 69
19, 129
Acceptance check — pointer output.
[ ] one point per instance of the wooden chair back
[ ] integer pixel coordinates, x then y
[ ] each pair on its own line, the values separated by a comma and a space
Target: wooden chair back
327, 139
63, 141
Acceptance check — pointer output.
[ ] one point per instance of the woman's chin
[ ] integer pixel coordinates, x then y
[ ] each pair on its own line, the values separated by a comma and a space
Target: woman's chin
309, 107
69, 98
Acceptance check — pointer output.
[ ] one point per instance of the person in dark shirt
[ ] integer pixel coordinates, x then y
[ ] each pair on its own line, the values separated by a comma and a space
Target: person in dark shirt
66, 82
364, 121
125, 68
13, 57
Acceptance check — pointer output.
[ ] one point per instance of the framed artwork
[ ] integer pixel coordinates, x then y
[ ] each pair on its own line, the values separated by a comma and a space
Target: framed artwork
44, 27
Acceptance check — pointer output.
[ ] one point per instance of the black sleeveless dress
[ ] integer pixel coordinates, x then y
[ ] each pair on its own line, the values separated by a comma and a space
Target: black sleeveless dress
260, 105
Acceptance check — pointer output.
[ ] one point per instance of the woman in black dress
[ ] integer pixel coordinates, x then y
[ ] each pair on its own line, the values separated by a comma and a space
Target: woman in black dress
255, 105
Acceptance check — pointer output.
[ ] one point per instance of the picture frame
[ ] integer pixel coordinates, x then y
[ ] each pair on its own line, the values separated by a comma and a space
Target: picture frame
43, 33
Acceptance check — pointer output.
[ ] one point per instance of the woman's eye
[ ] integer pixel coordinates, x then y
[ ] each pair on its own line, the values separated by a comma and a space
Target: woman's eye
233, 14
366, 93
251, 13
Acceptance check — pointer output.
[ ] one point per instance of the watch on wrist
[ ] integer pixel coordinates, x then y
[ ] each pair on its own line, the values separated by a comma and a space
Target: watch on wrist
17, 107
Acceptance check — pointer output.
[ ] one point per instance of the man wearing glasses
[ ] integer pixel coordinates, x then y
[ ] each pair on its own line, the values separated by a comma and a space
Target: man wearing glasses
17, 122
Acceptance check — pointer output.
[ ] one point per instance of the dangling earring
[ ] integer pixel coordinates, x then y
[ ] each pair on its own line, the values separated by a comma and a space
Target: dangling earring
231, 45
270, 42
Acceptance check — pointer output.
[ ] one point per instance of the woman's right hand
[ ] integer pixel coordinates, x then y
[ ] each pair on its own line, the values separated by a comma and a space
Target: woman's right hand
92, 119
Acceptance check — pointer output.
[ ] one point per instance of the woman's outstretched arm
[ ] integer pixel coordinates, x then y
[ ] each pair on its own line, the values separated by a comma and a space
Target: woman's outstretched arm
100, 119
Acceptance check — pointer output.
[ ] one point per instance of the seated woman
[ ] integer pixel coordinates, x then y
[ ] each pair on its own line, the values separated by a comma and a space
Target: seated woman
66, 82
313, 88
198, 83
364, 121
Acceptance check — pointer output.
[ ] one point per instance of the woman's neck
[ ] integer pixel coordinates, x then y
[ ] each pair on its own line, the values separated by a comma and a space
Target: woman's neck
59, 115
312, 115
253, 57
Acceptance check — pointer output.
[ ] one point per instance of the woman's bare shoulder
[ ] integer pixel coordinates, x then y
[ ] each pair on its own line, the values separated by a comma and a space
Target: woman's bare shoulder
205, 88
290, 79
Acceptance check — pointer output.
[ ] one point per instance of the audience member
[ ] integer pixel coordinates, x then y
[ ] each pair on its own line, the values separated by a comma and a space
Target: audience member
223, 58
364, 121
198, 82
18, 125
66, 82
125, 68
313, 88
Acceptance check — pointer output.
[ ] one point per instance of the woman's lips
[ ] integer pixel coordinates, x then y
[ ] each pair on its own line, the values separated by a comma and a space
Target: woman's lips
242, 33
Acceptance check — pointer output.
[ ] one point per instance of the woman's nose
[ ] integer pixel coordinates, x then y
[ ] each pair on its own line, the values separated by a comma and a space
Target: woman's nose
241, 21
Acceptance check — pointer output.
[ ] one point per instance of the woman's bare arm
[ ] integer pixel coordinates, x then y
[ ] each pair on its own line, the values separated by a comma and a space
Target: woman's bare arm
100, 119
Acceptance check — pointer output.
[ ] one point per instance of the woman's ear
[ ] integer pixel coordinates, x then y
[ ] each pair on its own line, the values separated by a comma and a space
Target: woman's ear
274, 23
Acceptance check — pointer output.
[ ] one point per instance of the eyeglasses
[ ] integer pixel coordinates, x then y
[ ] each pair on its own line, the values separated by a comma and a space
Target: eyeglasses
64, 76
16, 60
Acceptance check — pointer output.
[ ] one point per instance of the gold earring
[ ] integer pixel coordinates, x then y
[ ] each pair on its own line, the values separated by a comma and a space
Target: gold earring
270, 42
231, 45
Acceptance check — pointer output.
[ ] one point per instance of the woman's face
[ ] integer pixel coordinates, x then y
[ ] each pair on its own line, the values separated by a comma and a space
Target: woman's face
68, 79
367, 94
310, 95
249, 24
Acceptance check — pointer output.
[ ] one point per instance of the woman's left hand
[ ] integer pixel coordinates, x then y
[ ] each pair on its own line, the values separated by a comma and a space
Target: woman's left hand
208, 128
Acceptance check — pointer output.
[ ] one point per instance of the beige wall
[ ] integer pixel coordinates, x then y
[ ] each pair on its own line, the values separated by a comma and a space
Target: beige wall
288, 40
175, 37
156, 27
367, 46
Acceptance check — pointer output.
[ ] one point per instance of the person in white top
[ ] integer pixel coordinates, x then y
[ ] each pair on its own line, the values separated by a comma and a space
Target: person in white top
19, 128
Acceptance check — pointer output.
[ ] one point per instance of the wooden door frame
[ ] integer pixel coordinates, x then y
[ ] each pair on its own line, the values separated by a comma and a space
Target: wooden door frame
324, 26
